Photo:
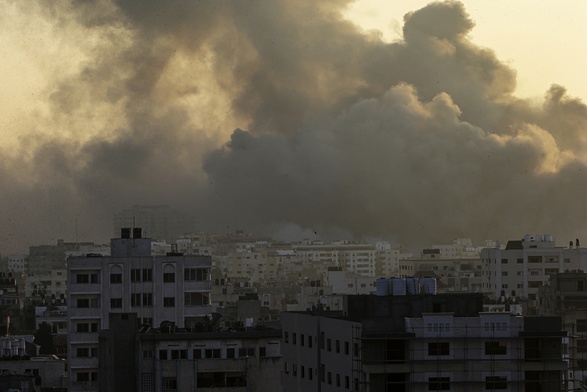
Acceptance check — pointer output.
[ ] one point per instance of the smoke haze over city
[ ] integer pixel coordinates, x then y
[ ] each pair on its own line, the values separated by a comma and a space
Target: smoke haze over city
280, 118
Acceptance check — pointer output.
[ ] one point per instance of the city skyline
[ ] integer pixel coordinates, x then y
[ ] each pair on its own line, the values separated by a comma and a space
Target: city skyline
283, 118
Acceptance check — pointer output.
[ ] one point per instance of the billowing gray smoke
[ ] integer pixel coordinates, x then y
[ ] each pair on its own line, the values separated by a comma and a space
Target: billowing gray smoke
337, 132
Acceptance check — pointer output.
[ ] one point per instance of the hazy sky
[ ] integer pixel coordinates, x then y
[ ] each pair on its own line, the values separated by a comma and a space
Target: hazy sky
285, 118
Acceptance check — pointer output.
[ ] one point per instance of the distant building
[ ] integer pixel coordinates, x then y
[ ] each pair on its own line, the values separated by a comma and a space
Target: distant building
525, 265
158, 222
173, 289
16, 263
45, 258
422, 342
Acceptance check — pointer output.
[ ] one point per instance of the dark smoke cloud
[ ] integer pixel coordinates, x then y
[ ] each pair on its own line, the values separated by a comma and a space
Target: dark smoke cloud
338, 133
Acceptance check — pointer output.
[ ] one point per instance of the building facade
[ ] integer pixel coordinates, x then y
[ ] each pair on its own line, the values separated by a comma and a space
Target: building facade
159, 289
421, 342
168, 359
525, 265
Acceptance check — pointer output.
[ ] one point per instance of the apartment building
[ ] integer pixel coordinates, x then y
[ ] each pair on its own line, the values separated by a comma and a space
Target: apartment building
525, 265
565, 295
159, 222
421, 342
172, 359
159, 289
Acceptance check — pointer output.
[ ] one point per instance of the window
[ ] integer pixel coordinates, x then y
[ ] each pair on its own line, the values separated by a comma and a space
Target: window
302, 372
94, 278
147, 299
534, 259
147, 275
439, 384
294, 338
504, 261
169, 302
337, 345
582, 346
197, 353
246, 352
347, 382
302, 340
169, 384
346, 348
230, 353
179, 354
337, 380
262, 351
286, 336
496, 382
329, 378
439, 348
148, 320
82, 278
147, 354
309, 341
496, 348
87, 376
83, 303
195, 299
115, 278
520, 261
212, 353
329, 344
135, 299
83, 327
82, 352
115, 303
582, 325
310, 373
163, 355
169, 277
135, 275
197, 274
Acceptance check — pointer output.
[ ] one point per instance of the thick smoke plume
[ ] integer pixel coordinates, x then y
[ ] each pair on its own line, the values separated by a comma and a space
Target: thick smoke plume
268, 115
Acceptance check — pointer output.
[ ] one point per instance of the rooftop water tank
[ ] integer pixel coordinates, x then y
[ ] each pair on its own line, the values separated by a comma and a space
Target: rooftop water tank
382, 287
428, 285
397, 286
413, 286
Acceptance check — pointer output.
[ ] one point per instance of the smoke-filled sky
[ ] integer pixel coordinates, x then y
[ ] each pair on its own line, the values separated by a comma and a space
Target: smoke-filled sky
278, 117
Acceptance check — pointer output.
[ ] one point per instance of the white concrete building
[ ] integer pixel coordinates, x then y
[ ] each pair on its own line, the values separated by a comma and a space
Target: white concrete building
16, 263
525, 265
173, 288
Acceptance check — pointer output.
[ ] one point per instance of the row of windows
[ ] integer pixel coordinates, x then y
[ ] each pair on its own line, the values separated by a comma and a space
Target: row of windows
491, 348
146, 299
146, 275
325, 343
207, 353
491, 383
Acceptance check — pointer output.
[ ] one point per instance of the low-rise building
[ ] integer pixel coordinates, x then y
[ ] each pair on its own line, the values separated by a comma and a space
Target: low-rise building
169, 359
421, 342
